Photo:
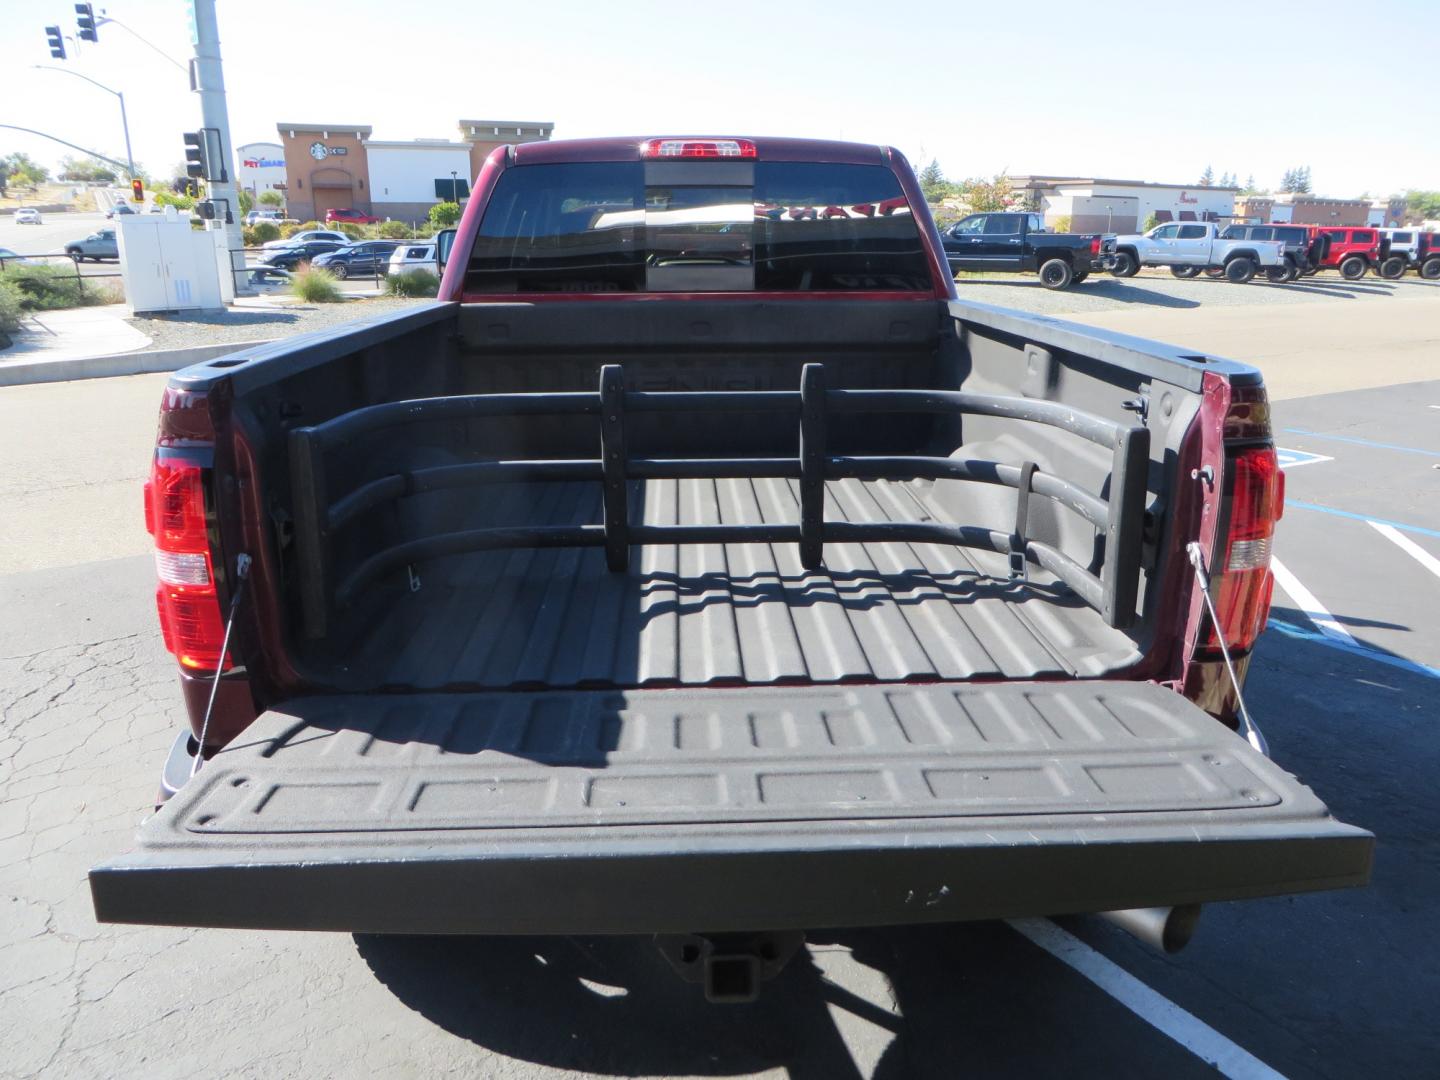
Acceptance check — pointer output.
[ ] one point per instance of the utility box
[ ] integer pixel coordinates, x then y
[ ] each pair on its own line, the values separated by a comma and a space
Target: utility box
167, 265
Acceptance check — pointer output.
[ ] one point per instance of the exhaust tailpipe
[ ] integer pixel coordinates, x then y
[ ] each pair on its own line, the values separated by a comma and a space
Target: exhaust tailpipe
1167, 929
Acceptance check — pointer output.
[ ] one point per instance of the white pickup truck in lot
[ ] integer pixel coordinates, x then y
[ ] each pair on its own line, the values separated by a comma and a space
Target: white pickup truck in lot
1188, 247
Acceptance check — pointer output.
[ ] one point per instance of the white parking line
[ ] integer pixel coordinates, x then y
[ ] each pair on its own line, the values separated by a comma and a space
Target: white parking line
1147, 1003
1423, 557
1315, 611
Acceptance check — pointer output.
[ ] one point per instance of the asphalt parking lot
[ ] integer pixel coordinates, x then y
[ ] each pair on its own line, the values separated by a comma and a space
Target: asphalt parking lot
1346, 686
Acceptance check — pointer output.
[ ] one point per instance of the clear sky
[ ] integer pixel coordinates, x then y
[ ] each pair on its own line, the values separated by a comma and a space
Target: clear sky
1128, 88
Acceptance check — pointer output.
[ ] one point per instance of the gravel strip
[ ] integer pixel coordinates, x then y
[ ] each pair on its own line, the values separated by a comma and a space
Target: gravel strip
181, 331
1104, 292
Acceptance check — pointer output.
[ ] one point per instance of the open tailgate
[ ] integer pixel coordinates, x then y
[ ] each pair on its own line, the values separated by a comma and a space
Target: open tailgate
725, 809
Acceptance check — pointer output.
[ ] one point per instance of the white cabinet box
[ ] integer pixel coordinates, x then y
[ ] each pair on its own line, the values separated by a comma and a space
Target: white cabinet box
167, 265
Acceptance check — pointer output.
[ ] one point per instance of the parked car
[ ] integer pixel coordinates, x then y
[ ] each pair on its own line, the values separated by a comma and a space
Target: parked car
958, 666
1188, 247
254, 216
367, 257
1020, 243
1304, 248
28, 215
304, 237
351, 216
1399, 250
98, 245
414, 256
288, 258
268, 279
1427, 258
8, 258
120, 209
1353, 251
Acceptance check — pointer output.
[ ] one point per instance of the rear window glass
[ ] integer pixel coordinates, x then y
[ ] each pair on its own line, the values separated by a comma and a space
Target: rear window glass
1402, 237
1364, 236
1291, 236
1192, 232
598, 227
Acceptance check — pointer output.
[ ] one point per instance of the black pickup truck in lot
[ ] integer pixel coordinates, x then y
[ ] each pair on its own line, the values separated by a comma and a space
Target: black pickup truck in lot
699, 567
1018, 243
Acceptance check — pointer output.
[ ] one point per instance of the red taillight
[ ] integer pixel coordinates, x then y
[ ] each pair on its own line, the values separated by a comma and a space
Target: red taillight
186, 600
697, 148
1241, 574
1095, 245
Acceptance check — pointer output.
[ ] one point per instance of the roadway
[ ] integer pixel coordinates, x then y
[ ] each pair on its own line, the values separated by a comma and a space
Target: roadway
1330, 985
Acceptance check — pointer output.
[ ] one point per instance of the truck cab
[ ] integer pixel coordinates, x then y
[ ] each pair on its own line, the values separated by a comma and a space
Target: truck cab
1353, 251
1188, 247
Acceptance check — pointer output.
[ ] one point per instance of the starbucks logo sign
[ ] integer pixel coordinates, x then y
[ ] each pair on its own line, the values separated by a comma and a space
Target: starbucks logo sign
318, 151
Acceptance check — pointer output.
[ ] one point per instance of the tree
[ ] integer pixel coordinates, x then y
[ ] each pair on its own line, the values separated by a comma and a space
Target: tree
1302, 180
986, 196
444, 215
271, 198
1287, 182
85, 169
1250, 188
932, 182
23, 169
246, 200
1422, 205
1207, 178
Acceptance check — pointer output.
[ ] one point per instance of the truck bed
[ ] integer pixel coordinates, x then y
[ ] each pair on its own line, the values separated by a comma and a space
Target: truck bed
716, 614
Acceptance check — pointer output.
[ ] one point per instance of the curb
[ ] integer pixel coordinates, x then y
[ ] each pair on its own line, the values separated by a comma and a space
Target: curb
139, 362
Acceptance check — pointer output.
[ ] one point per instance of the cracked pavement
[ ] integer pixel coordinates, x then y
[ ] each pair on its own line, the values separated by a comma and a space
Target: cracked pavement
1328, 985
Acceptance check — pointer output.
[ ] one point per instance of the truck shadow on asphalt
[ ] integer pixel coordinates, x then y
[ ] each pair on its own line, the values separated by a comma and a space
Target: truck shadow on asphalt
977, 1000
1109, 289
942, 1001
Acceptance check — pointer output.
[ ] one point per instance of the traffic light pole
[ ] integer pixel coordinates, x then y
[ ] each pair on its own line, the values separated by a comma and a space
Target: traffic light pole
124, 120
210, 84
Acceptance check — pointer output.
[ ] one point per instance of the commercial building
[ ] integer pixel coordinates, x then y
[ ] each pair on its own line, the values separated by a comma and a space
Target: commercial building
260, 167
1305, 209
335, 166
1094, 204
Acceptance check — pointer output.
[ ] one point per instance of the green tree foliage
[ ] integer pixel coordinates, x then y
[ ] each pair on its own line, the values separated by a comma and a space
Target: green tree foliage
1297, 180
86, 169
1422, 204
1207, 178
985, 196
394, 230
25, 171
444, 215
271, 198
246, 200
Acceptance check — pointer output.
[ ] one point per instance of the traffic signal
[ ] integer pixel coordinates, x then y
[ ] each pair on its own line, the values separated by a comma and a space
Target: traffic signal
137, 190
85, 17
195, 153
56, 42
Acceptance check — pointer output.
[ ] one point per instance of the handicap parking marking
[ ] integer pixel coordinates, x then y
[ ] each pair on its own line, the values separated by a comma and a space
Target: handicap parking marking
1293, 459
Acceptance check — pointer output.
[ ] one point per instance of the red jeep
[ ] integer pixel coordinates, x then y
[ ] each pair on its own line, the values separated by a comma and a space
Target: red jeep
1427, 256
1352, 251
350, 215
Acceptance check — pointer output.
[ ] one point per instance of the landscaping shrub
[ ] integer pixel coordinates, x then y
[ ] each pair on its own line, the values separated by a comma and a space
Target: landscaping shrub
10, 307
349, 228
444, 215
412, 283
47, 288
394, 230
288, 231
315, 286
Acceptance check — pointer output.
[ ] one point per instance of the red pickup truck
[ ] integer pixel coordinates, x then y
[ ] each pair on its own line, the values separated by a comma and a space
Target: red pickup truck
699, 566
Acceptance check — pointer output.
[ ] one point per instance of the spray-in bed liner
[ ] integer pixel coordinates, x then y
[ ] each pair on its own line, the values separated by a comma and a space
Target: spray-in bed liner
714, 614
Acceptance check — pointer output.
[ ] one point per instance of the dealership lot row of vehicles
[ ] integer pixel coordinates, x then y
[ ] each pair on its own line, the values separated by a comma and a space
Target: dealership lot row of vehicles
1019, 243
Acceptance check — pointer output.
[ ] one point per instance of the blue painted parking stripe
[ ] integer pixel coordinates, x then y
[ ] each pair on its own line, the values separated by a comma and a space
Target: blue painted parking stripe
1294, 504
1353, 440
1315, 637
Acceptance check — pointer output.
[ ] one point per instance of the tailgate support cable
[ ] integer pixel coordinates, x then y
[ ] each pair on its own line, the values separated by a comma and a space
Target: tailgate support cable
1248, 729
242, 572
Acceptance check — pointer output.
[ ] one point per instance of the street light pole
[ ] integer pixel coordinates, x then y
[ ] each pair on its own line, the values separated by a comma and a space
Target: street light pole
454, 187
124, 120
